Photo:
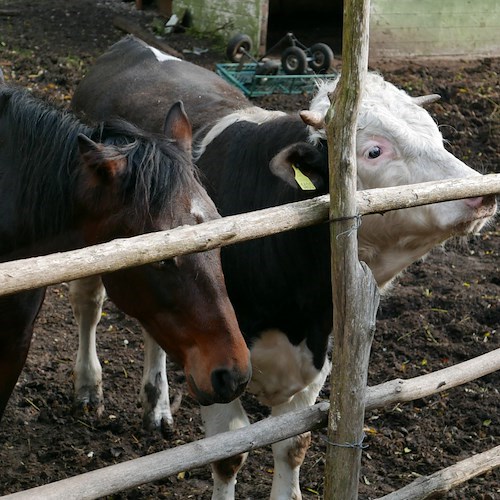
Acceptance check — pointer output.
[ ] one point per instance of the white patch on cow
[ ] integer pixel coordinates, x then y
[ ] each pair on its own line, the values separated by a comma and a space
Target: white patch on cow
252, 114
218, 418
288, 453
161, 56
279, 369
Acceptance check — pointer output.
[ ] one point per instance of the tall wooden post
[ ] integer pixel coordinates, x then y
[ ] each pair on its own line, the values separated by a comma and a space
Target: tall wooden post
355, 294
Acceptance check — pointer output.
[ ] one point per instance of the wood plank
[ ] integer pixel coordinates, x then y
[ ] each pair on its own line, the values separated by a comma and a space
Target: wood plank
439, 483
445, 7
125, 25
26, 274
115, 478
429, 28
355, 293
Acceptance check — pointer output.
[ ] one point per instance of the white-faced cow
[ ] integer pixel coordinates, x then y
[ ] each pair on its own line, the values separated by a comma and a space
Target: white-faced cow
280, 285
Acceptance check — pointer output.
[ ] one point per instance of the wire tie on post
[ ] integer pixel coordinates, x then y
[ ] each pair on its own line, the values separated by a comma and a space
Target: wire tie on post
357, 218
358, 445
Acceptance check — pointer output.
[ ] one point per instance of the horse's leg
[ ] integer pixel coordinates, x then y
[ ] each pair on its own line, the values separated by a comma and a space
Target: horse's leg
86, 297
17, 316
219, 418
155, 399
290, 453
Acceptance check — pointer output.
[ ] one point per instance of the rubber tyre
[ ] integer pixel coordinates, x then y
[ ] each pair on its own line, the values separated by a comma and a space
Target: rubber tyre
235, 44
294, 61
321, 57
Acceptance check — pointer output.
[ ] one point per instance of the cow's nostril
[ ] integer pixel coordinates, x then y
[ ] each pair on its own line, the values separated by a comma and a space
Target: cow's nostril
474, 202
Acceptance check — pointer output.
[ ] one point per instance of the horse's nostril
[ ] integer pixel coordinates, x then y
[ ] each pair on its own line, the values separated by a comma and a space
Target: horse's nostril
227, 384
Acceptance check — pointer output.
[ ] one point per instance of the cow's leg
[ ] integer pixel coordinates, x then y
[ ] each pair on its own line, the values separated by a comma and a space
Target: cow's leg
289, 454
86, 297
155, 399
17, 316
219, 418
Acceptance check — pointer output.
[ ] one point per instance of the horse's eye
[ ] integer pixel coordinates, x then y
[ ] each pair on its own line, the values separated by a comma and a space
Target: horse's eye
374, 152
162, 264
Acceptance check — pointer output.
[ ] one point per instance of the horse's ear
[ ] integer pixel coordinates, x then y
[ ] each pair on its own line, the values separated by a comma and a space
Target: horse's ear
178, 127
104, 164
86, 145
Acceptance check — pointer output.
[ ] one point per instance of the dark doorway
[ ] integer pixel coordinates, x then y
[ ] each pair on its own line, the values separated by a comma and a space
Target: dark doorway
311, 21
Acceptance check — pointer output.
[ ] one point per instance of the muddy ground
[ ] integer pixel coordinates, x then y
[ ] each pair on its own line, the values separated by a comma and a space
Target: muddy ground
442, 311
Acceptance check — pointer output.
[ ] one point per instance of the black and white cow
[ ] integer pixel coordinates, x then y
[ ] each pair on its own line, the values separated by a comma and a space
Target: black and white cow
280, 285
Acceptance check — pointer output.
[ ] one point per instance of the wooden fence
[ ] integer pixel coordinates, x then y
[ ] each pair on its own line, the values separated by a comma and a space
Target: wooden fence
342, 463
115, 478
40, 271
34, 272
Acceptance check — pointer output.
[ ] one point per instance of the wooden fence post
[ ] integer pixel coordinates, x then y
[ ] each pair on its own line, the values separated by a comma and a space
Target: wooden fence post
355, 294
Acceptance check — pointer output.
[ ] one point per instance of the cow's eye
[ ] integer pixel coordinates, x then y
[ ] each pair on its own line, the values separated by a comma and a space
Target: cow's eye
374, 152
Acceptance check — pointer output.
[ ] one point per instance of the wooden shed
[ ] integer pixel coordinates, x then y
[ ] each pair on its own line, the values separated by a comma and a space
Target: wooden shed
398, 29
430, 28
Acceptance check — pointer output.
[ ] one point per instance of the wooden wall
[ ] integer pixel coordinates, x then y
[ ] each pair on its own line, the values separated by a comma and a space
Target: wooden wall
434, 28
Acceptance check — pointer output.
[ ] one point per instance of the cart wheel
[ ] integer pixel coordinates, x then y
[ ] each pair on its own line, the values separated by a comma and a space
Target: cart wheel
294, 61
237, 46
321, 57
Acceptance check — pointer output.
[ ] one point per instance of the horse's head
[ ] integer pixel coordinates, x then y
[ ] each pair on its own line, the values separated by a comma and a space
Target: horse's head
147, 183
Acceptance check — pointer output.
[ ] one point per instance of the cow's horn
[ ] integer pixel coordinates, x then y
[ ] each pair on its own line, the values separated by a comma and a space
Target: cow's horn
426, 99
312, 118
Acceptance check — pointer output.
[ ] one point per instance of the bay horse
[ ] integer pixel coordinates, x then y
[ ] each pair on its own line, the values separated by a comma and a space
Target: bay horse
65, 185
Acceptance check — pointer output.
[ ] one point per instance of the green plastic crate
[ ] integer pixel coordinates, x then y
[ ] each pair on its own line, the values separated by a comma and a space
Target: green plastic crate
244, 77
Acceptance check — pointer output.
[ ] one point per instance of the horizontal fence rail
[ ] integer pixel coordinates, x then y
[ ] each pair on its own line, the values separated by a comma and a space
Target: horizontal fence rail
35, 272
119, 477
437, 484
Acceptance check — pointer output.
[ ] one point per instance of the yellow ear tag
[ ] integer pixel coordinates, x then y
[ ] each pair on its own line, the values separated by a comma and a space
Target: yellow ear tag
302, 180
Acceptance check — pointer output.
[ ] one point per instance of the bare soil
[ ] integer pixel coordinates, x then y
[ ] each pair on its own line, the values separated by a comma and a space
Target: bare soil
442, 311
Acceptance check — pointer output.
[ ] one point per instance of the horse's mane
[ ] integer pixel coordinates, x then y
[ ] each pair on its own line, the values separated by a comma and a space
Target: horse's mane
44, 139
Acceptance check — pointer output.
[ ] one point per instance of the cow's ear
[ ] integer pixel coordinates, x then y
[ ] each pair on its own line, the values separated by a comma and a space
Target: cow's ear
178, 127
299, 165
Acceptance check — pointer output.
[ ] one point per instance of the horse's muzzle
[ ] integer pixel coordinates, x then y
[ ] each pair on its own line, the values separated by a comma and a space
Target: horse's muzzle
227, 385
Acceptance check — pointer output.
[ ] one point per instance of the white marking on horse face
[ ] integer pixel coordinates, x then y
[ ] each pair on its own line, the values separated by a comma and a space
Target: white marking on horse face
279, 369
202, 208
200, 211
161, 56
